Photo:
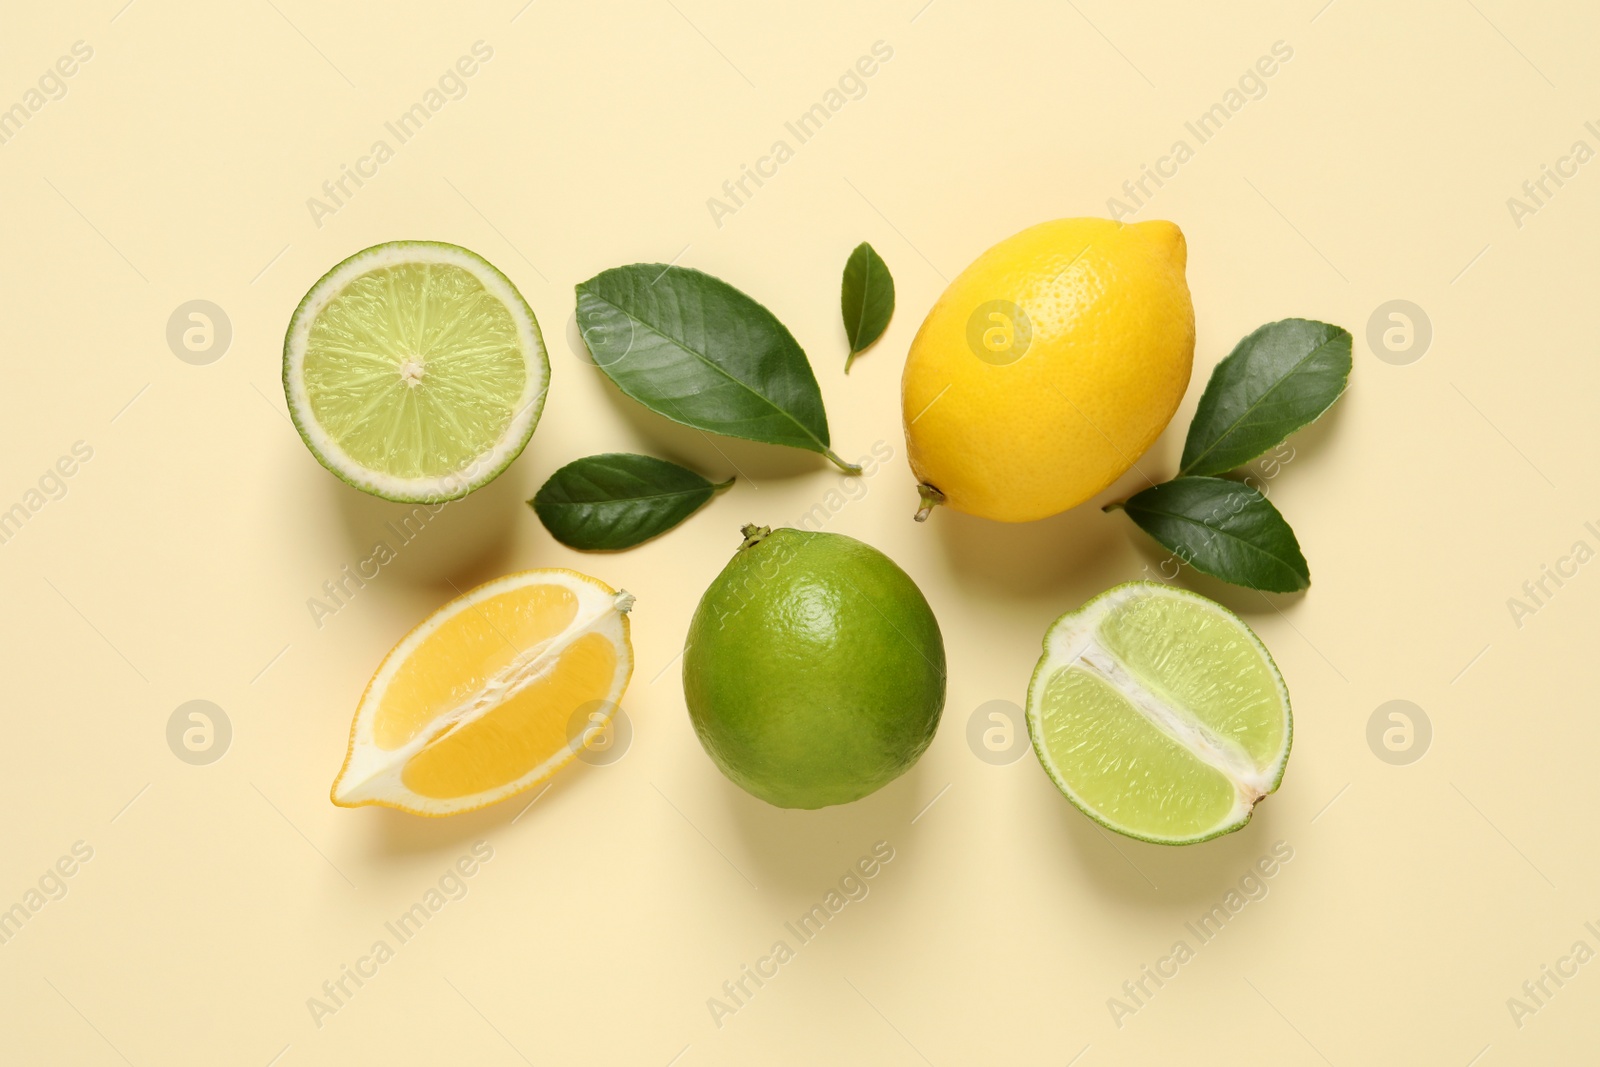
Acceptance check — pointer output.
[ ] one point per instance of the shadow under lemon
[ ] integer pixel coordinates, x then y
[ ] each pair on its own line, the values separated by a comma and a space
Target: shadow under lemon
400, 834
1065, 555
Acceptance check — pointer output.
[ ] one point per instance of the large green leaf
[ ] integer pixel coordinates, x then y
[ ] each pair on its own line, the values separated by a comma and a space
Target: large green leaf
866, 299
1278, 379
618, 499
697, 350
1225, 529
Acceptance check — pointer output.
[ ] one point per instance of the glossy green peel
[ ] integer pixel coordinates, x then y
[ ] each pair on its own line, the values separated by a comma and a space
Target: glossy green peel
814, 669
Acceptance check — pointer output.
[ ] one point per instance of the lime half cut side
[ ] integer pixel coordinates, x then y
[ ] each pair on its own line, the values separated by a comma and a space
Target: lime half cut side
415, 371
1159, 714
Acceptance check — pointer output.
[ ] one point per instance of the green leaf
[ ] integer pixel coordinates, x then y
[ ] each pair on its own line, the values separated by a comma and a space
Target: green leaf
618, 500
697, 350
866, 299
1278, 379
1225, 529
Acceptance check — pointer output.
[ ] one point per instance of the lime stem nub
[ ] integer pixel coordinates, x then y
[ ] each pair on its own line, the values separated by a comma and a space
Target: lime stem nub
753, 534
931, 498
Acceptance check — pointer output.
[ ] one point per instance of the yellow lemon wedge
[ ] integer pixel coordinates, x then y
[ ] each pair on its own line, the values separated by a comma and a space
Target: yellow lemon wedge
489, 695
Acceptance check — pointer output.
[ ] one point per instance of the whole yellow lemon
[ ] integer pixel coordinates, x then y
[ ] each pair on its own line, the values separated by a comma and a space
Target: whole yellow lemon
1048, 367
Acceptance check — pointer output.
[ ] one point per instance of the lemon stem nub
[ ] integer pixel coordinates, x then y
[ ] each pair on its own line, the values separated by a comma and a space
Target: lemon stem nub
931, 498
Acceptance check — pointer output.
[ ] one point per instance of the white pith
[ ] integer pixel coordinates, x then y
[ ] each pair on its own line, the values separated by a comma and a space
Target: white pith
1074, 640
528, 405
373, 775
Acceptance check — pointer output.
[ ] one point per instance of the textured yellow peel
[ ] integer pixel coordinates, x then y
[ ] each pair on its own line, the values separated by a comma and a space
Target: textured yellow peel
1049, 366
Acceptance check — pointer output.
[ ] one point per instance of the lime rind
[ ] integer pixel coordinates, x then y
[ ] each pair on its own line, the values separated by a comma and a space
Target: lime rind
1068, 640
480, 470
813, 669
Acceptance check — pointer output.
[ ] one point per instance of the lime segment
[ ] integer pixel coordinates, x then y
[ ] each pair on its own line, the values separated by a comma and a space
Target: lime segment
1159, 714
1123, 765
1194, 658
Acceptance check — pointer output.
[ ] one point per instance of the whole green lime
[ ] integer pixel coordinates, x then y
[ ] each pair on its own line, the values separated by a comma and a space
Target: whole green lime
814, 669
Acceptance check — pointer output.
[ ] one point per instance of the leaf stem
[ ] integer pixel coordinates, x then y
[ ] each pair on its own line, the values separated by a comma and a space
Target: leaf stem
848, 468
718, 487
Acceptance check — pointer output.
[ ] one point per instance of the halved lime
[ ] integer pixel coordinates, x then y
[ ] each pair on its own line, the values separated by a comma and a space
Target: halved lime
1159, 714
415, 370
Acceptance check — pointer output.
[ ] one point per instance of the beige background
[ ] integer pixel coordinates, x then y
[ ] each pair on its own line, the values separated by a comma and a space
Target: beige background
179, 562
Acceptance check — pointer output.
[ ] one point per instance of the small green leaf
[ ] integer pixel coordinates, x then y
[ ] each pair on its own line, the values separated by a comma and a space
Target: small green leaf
1225, 529
1278, 379
697, 350
866, 299
618, 500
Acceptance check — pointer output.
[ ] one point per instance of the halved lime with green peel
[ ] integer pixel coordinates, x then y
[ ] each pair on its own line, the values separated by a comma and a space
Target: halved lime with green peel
1159, 714
415, 370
